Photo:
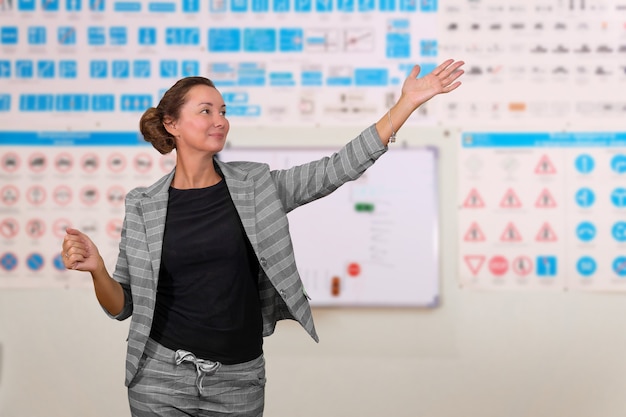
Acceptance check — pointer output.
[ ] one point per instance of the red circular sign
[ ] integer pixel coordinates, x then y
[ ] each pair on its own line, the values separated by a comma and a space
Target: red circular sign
90, 162
354, 269
62, 195
89, 195
115, 195
522, 265
9, 228
498, 265
116, 162
35, 228
36, 195
10, 162
64, 162
9, 195
142, 162
37, 162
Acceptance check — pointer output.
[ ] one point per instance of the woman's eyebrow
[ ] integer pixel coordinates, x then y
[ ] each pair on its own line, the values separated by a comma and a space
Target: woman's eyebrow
206, 103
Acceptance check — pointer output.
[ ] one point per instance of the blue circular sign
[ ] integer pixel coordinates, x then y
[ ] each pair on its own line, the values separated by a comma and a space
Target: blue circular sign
34, 261
8, 261
618, 197
618, 164
619, 231
585, 197
586, 231
619, 266
58, 263
586, 266
584, 164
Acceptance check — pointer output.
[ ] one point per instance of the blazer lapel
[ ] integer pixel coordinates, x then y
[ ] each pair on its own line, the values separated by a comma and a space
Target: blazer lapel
154, 211
241, 189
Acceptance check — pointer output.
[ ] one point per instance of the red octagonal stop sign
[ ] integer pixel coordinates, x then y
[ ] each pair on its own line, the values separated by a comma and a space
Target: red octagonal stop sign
498, 265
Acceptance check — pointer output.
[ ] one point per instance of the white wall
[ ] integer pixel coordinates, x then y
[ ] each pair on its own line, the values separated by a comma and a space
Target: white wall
510, 354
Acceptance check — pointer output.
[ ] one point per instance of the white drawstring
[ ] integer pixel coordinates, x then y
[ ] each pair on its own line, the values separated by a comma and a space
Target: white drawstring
203, 366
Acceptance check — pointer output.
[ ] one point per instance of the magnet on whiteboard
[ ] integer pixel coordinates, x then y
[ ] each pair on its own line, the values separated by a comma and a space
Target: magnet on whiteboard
335, 286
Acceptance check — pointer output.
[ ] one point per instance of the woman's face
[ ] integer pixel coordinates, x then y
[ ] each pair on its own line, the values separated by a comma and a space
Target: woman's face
202, 125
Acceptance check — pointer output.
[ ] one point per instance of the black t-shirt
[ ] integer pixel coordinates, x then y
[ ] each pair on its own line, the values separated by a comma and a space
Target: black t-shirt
207, 298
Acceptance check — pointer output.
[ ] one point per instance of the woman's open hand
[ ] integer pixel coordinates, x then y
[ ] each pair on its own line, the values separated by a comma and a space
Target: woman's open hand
441, 80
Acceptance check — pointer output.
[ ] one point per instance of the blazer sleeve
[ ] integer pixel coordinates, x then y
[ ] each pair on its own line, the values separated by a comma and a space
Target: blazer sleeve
121, 273
308, 182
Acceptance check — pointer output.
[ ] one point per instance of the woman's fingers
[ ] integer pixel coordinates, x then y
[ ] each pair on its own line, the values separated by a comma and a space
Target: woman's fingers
441, 68
74, 249
450, 75
75, 252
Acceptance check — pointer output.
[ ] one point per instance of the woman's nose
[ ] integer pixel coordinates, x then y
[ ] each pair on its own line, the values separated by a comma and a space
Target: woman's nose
219, 120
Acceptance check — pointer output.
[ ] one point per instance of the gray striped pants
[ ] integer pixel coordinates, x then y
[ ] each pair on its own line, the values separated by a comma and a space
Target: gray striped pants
164, 388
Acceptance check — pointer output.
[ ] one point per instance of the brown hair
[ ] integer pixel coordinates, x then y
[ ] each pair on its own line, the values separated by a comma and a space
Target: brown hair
151, 122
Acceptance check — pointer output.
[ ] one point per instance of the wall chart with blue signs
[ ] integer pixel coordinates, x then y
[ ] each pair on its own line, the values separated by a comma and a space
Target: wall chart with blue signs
70, 180
99, 63
543, 210
109, 60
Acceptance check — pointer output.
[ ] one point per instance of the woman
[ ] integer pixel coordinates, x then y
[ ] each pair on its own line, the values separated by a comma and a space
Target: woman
206, 265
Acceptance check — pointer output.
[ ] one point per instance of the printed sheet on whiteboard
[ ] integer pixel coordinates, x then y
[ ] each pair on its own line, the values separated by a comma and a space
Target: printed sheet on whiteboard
374, 241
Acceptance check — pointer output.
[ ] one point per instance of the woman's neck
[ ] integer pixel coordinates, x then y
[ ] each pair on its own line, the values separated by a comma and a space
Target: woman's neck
195, 175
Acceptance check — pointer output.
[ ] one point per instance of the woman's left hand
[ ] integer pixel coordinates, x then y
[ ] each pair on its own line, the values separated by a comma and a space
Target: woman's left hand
441, 80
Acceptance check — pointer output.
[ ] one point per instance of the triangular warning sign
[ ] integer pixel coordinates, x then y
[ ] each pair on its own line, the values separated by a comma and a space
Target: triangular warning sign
545, 199
473, 200
510, 200
474, 234
474, 262
511, 234
545, 166
546, 234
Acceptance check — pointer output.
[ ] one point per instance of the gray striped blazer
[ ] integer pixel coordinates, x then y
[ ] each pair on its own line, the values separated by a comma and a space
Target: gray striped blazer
262, 198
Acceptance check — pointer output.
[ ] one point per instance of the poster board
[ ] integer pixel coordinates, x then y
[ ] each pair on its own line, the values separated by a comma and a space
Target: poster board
542, 210
374, 241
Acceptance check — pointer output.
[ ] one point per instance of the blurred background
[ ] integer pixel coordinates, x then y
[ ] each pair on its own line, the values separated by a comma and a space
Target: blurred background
477, 270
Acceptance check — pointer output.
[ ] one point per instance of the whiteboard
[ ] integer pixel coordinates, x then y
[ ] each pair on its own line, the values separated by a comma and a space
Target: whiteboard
374, 241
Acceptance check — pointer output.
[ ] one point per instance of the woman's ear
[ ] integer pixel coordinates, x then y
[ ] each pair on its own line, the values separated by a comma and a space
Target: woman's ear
170, 125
